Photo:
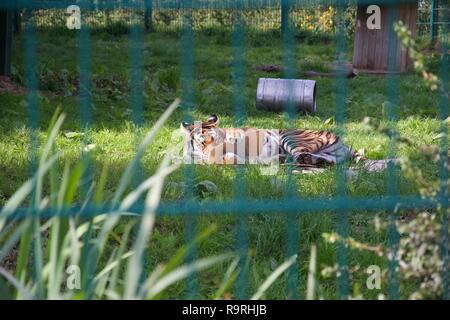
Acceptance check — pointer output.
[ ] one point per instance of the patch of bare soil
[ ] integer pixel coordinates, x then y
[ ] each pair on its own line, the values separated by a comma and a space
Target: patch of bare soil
10, 261
7, 86
269, 68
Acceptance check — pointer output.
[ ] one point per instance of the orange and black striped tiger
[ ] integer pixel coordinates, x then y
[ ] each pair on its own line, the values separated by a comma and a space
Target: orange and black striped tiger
206, 143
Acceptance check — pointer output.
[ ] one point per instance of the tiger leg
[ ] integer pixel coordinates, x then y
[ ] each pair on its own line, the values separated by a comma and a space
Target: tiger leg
333, 154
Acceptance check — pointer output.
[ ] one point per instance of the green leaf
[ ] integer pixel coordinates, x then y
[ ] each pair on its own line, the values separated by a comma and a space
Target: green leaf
329, 120
73, 183
73, 134
126, 177
12, 280
183, 272
178, 257
99, 189
229, 278
274, 276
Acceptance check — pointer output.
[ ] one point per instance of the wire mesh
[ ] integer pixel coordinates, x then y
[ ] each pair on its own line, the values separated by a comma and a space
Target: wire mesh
240, 17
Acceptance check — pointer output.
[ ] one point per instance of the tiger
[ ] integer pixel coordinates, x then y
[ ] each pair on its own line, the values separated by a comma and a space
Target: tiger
206, 143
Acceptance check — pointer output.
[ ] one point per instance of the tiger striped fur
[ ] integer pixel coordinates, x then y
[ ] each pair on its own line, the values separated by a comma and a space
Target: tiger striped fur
207, 144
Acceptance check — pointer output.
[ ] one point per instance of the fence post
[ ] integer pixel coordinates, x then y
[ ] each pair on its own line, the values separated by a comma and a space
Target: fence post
284, 15
433, 19
6, 34
148, 10
17, 21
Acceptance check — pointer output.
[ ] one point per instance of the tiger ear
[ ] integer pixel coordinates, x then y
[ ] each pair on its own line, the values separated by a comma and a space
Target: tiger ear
212, 121
185, 127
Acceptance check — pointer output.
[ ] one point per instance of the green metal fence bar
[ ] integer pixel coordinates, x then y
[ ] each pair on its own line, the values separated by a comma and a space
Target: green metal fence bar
239, 114
292, 205
392, 183
341, 181
252, 207
285, 9
433, 19
136, 75
444, 164
148, 13
85, 107
291, 221
187, 56
136, 101
33, 115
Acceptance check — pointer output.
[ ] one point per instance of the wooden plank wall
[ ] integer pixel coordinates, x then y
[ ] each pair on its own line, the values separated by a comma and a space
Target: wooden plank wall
371, 47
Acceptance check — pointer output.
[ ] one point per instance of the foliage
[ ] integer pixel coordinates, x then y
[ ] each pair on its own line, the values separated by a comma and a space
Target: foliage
420, 255
419, 58
72, 241
72, 255
422, 252
115, 137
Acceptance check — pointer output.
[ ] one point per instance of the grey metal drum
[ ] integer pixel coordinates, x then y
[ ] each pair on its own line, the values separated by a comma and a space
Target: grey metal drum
279, 94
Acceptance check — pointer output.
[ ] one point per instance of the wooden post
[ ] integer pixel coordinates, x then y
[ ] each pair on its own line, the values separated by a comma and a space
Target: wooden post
148, 10
6, 34
373, 49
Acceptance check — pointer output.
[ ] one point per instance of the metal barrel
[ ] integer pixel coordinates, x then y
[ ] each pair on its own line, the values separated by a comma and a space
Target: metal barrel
281, 94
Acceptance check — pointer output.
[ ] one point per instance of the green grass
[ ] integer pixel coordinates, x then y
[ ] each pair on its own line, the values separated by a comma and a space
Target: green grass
115, 139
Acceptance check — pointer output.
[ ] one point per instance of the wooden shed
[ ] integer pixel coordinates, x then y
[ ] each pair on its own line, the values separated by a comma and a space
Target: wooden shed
376, 50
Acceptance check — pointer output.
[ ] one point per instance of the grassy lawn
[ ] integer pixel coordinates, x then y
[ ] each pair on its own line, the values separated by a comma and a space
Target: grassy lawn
115, 138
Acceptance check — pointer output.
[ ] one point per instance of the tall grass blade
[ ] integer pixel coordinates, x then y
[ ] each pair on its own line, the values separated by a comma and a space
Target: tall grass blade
100, 187
20, 288
113, 279
123, 183
274, 276
12, 240
179, 256
184, 271
229, 278
311, 285
147, 221
126, 177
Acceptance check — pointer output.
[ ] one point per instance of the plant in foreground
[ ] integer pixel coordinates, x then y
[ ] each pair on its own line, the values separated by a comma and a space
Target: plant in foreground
72, 256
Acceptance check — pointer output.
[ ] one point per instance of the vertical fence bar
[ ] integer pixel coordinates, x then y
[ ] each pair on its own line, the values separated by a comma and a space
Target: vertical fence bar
433, 19
187, 88
238, 85
392, 181
148, 15
85, 105
137, 105
341, 181
84, 62
31, 80
136, 76
33, 115
285, 7
444, 164
187, 80
291, 220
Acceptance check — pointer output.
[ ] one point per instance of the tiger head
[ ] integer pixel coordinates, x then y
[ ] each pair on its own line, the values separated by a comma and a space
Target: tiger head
200, 137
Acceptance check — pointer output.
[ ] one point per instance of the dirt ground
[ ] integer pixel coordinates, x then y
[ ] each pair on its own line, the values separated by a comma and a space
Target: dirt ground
6, 86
